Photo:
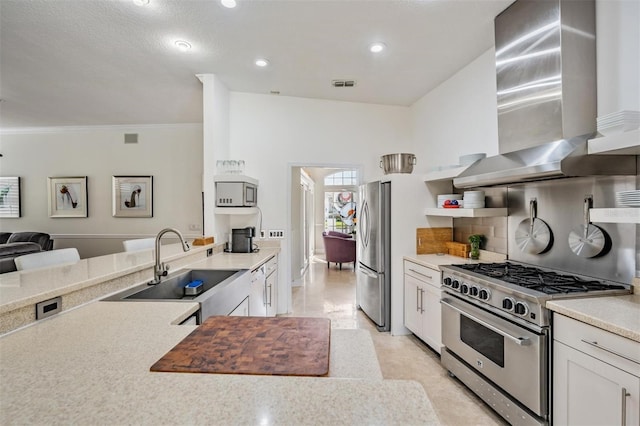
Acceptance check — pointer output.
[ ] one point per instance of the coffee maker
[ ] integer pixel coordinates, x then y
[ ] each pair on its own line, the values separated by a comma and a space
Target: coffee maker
242, 239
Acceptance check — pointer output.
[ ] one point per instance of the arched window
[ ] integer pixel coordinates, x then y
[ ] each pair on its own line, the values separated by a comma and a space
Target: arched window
345, 177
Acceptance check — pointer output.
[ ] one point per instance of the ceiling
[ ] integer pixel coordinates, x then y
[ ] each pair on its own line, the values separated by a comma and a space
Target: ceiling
112, 62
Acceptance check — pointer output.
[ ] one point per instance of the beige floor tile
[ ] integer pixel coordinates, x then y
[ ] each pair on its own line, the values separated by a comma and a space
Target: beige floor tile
330, 293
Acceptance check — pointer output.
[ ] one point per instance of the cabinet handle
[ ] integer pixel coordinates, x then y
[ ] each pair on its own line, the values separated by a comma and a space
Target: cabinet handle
421, 301
269, 294
417, 299
419, 273
264, 295
625, 394
596, 345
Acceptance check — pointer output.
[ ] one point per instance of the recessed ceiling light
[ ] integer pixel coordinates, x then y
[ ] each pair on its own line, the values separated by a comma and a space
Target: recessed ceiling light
141, 2
184, 46
377, 47
262, 62
229, 3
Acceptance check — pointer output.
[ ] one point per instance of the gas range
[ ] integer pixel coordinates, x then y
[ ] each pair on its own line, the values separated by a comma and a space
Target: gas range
520, 291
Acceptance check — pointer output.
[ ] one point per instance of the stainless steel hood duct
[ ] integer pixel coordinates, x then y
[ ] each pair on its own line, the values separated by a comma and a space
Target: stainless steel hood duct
546, 92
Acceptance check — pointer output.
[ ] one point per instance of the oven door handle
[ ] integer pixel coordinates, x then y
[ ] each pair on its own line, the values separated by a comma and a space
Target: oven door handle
522, 341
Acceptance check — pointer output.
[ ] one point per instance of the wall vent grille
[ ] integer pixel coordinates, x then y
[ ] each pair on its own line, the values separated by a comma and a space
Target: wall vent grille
343, 83
130, 138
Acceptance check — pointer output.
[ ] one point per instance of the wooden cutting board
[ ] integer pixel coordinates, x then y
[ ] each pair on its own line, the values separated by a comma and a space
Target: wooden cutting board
432, 240
286, 346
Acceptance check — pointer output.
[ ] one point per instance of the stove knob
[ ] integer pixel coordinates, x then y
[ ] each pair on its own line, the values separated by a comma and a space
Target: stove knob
521, 309
464, 288
447, 281
474, 291
485, 294
455, 284
508, 303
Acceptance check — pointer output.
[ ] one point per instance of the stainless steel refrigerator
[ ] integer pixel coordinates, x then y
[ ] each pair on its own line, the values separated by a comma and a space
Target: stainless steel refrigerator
373, 274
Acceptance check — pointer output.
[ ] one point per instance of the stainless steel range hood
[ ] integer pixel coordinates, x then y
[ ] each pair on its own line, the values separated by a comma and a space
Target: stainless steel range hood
546, 92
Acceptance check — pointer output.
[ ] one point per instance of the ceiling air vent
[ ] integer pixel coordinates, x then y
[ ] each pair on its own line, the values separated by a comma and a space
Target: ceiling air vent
343, 83
130, 138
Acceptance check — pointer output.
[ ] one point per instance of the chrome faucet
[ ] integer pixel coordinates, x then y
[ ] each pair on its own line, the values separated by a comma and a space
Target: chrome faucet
160, 269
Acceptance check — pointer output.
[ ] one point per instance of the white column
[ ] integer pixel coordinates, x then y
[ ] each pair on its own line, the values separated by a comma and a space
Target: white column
215, 146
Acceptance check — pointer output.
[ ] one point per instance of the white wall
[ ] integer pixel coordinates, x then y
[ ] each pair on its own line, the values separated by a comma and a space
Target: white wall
171, 154
272, 132
618, 55
458, 117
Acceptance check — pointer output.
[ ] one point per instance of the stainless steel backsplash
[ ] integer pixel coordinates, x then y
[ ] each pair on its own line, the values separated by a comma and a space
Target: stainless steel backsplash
560, 205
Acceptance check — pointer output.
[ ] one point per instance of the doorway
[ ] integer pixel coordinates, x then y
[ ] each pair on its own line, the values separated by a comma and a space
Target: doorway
323, 197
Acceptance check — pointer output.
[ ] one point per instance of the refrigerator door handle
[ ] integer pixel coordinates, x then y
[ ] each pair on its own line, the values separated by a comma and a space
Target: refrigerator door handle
364, 224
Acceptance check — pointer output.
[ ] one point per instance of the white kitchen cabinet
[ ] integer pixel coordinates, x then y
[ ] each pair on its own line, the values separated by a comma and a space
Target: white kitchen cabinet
242, 310
596, 376
271, 287
422, 303
263, 295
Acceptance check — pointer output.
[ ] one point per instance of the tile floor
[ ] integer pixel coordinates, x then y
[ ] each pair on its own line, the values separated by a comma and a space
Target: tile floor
331, 293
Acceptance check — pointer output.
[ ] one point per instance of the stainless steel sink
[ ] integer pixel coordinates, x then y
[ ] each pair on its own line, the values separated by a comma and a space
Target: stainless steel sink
222, 290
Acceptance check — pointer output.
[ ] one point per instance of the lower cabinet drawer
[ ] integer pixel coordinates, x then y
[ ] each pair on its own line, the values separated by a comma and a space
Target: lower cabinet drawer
609, 347
428, 275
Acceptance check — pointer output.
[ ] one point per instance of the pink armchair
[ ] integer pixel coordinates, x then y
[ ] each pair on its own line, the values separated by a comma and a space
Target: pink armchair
339, 248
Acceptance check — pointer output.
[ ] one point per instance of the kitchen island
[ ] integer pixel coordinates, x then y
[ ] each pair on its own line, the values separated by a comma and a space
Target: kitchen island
91, 364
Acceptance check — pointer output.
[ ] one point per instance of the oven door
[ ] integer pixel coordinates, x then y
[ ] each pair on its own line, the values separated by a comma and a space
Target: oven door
509, 355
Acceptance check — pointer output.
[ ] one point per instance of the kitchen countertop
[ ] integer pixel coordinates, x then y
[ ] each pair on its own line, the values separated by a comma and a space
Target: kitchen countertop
236, 260
93, 278
22, 288
617, 314
434, 261
91, 366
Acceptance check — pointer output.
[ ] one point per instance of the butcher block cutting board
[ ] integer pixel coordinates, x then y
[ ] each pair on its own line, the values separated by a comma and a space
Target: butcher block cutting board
286, 346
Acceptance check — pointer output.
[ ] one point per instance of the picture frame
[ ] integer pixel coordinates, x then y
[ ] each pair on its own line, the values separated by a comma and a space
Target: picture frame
132, 196
68, 197
10, 206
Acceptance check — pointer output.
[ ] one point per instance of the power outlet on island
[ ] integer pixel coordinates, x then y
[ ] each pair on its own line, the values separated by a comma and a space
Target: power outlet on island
276, 233
263, 233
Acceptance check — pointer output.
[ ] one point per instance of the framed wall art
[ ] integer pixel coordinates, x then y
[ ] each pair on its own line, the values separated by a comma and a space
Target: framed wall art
68, 197
133, 196
10, 197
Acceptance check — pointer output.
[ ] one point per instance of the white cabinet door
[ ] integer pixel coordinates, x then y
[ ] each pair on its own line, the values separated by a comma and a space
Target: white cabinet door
412, 311
271, 292
257, 307
242, 310
422, 309
431, 317
587, 391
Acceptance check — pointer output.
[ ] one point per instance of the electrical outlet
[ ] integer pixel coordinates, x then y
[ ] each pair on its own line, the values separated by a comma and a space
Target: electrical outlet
276, 233
263, 233
195, 227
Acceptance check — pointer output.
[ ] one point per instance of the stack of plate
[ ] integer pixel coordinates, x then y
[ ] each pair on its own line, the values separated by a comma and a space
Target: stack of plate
444, 197
618, 122
628, 198
473, 199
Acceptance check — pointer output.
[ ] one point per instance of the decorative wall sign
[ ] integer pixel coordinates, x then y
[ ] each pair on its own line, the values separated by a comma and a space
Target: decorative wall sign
68, 197
133, 196
10, 197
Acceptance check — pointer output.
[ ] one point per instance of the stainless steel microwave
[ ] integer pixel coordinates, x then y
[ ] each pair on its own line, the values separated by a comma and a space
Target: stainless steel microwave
236, 194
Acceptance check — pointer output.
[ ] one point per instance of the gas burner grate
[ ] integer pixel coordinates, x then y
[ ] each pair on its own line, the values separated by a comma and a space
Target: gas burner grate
548, 282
